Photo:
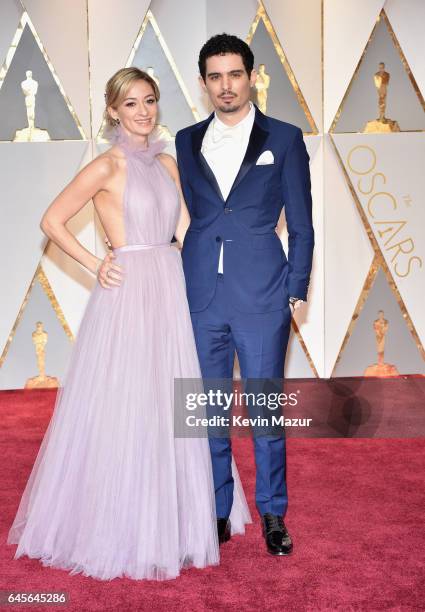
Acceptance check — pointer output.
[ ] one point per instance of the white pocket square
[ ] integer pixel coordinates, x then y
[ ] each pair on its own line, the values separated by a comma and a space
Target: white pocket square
265, 158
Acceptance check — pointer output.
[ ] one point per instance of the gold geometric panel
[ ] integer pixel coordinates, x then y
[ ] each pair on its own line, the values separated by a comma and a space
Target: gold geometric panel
370, 278
297, 334
42, 279
382, 96
378, 342
277, 90
379, 261
17, 362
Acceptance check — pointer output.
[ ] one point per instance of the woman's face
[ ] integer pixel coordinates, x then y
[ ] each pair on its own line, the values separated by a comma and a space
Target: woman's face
137, 112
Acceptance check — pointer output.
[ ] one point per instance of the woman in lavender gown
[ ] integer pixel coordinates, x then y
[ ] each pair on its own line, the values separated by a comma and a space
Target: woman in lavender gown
112, 492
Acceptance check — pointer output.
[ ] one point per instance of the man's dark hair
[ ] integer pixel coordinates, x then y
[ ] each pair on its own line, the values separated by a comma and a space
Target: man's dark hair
220, 44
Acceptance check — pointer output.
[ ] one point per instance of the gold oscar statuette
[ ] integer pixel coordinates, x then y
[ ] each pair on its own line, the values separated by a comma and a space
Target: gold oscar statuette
380, 327
30, 133
382, 124
262, 85
39, 339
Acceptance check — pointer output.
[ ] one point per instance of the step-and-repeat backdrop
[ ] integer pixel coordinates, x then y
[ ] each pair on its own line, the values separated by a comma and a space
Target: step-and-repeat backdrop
351, 74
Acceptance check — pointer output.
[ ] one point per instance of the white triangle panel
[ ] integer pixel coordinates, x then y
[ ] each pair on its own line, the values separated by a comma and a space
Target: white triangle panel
168, 13
31, 175
386, 171
408, 25
303, 52
113, 28
312, 144
348, 255
233, 17
296, 363
347, 28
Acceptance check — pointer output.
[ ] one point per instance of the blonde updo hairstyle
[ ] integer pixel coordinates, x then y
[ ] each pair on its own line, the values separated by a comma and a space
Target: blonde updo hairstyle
117, 88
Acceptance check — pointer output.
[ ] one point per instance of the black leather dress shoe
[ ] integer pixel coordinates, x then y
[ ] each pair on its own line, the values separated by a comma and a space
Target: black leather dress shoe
276, 535
223, 530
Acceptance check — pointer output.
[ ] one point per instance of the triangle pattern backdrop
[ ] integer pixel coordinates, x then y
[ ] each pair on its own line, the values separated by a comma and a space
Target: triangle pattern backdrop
383, 172
298, 363
361, 349
20, 364
44, 176
405, 103
151, 54
25, 197
284, 98
53, 111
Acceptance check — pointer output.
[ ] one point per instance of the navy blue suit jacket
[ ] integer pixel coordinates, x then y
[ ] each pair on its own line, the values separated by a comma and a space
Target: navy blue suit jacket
258, 276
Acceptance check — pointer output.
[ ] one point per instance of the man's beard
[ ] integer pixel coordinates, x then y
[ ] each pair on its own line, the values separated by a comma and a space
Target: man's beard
229, 109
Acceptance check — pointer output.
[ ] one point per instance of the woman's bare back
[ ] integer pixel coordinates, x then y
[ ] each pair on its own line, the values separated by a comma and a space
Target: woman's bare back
109, 201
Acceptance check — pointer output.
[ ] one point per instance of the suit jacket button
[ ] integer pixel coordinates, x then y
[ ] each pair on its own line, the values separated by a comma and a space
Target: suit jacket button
218, 239
227, 211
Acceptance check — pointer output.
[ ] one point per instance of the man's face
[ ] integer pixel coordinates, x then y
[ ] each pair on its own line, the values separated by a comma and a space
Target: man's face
227, 82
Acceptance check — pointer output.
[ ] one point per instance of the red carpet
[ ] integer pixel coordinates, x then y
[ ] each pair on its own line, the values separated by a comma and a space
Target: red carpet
356, 515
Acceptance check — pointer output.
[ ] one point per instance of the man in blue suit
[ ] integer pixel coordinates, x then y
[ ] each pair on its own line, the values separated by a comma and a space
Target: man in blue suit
238, 169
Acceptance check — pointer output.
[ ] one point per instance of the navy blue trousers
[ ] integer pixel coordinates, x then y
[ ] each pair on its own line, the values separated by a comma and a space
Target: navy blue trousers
260, 341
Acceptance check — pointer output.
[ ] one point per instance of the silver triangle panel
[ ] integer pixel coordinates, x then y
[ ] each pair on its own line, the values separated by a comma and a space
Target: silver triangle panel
399, 347
51, 109
20, 363
175, 112
361, 103
282, 101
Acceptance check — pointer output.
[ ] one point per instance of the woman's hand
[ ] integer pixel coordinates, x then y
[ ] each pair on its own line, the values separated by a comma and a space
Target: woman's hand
108, 273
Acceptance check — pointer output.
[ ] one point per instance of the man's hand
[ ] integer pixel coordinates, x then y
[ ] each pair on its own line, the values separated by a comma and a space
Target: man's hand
294, 304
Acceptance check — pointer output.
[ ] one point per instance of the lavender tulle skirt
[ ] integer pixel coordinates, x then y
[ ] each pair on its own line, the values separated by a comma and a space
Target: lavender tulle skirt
112, 492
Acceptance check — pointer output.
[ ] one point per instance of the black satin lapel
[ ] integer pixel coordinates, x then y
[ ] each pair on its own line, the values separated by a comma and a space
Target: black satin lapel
256, 141
209, 175
197, 138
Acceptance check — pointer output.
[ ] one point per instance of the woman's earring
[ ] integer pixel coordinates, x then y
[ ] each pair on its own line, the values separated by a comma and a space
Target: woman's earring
117, 121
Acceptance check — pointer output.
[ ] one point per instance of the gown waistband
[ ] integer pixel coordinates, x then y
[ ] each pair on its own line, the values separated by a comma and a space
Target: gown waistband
140, 247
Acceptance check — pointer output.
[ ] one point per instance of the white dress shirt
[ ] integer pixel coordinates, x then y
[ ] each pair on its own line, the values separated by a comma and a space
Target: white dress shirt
224, 148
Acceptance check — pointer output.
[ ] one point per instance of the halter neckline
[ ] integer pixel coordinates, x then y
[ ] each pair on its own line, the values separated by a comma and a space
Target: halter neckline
131, 148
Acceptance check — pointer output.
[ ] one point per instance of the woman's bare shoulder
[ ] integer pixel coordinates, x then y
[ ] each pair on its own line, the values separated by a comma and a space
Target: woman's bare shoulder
106, 164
